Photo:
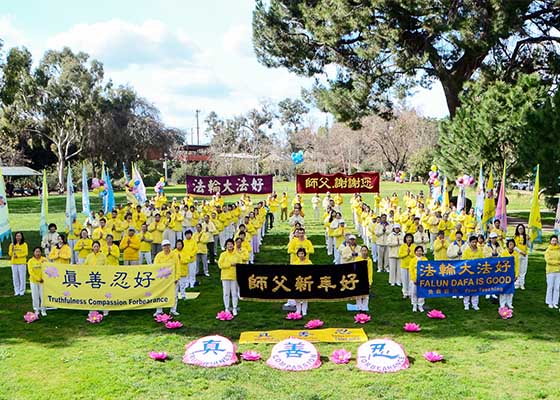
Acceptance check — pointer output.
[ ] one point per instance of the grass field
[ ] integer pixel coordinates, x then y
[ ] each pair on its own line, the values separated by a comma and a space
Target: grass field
62, 356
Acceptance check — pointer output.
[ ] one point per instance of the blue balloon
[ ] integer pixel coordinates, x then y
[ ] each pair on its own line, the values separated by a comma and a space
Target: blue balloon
136, 182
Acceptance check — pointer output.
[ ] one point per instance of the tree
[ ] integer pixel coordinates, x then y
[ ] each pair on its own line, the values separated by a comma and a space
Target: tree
292, 113
489, 126
382, 48
253, 128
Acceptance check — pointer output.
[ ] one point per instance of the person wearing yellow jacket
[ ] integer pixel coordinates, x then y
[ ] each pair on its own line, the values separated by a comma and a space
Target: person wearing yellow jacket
302, 258
227, 264
339, 234
35, 269
130, 246
417, 302
506, 300
111, 250
177, 223
156, 229
61, 253
18, 252
171, 259
298, 242
362, 302
406, 256
83, 246
440, 247
96, 257
552, 258
100, 233
211, 230
470, 223
145, 251
190, 248
186, 256
73, 236
523, 243
471, 252
242, 250
284, 207
201, 239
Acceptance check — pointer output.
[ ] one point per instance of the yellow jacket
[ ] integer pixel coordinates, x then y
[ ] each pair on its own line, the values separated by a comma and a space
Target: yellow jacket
145, 246
83, 247
131, 251
304, 262
520, 245
18, 253
296, 244
406, 254
227, 262
156, 229
243, 253
185, 257
412, 268
201, 238
470, 254
96, 259
369, 267
170, 259
35, 269
76, 229
191, 246
99, 233
515, 255
62, 255
440, 249
113, 255
284, 202
552, 258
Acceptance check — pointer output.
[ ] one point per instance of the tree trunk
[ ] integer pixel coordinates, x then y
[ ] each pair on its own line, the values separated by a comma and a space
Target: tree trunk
451, 89
60, 171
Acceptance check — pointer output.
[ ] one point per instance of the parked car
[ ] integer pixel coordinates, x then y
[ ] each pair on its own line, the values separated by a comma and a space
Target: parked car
522, 186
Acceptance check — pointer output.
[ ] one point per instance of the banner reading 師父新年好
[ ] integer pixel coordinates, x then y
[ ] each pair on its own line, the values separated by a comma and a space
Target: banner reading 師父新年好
108, 287
228, 185
479, 277
360, 182
303, 282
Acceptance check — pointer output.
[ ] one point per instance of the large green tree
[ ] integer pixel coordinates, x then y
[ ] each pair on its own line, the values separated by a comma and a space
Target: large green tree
491, 127
382, 48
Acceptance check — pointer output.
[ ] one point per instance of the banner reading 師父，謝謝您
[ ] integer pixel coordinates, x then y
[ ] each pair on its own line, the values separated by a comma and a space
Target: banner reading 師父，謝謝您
304, 282
108, 287
446, 278
228, 185
360, 182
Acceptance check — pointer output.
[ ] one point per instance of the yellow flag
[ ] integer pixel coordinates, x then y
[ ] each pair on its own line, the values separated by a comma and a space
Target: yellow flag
445, 205
489, 203
535, 224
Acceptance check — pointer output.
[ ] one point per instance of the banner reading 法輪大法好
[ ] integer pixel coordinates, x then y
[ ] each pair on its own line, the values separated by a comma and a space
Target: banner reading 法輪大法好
446, 278
303, 282
108, 287
366, 182
228, 185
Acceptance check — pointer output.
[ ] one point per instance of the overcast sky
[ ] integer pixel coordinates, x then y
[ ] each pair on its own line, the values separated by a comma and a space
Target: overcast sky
180, 55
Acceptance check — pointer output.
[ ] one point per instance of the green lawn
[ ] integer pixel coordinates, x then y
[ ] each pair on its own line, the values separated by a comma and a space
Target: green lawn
64, 357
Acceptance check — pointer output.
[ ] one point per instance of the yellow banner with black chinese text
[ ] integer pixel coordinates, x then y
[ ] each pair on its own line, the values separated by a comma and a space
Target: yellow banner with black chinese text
329, 335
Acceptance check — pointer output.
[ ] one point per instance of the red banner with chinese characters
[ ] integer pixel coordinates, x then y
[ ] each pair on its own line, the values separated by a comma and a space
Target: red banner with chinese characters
228, 185
360, 182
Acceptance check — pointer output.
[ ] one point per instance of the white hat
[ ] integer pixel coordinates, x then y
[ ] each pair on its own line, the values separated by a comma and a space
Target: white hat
131, 228
396, 226
341, 222
493, 235
351, 237
165, 242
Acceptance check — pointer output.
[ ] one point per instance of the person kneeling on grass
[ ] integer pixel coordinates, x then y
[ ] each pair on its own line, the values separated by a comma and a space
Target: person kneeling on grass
362, 302
301, 305
34, 267
417, 303
227, 264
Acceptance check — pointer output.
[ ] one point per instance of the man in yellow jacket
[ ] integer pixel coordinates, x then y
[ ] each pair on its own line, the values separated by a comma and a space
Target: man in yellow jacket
130, 246
171, 259
201, 239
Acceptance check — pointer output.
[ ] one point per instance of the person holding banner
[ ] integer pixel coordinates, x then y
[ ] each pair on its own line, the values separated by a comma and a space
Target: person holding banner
362, 302
406, 256
301, 259
417, 302
35, 269
298, 242
552, 258
523, 243
227, 264
83, 246
166, 256
18, 252
510, 251
394, 241
471, 252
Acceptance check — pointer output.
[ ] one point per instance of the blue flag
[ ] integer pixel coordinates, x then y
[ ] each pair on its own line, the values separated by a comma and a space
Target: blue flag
109, 203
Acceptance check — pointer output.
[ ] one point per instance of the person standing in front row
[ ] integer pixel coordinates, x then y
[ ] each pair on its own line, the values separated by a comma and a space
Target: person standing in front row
302, 259
18, 257
417, 302
472, 252
227, 264
552, 258
362, 302
35, 269
166, 256
510, 251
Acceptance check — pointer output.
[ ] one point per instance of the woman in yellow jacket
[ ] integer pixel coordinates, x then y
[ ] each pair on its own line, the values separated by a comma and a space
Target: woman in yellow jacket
440, 247
96, 257
362, 302
18, 257
552, 258
417, 302
406, 255
61, 253
130, 246
201, 239
302, 259
111, 250
472, 252
227, 264
523, 243
506, 300
83, 246
35, 269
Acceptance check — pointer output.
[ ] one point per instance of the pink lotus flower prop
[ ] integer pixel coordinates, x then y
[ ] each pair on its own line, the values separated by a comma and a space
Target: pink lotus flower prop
94, 317
412, 327
251, 355
436, 314
341, 356
361, 318
30, 317
505, 312
314, 324
173, 325
294, 316
433, 356
224, 316
163, 318
164, 273
51, 272
158, 355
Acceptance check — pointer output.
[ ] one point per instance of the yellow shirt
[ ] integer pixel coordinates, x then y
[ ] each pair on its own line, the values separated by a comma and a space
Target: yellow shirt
130, 245
83, 247
470, 254
76, 229
99, 233
369, 267
440, 249
18, 253
145, 246
412, 268
62, 255
170, 259
284, 202
519, 243
113, 255
191, 248
552, 258
201, 238
227, 262
96, 259
296, 244
184, 258
156, 230
35, 269
515, 256
306, 261
406, 254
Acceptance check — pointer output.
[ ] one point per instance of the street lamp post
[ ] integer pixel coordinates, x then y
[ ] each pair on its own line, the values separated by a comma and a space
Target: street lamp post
165, 165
